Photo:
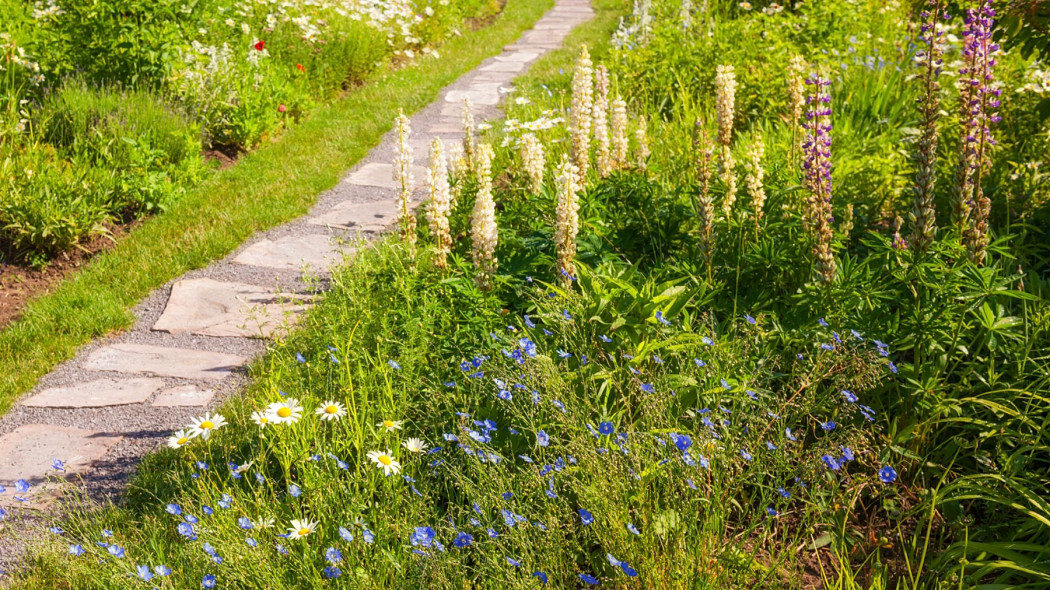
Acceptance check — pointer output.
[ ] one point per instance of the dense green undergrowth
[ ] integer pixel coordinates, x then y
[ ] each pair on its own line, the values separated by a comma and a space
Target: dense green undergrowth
683, 411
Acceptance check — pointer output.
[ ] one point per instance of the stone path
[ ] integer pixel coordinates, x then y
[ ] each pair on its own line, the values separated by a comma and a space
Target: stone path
122, 396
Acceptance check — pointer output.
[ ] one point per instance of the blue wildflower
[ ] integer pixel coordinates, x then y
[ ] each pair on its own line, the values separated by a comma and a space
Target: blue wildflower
887, 474
589, 579
542, 439
585, 516
144, 573
463, 540
831, 462
208, 581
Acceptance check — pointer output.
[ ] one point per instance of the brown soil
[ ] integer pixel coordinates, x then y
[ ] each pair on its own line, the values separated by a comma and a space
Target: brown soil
20, 282
222, 156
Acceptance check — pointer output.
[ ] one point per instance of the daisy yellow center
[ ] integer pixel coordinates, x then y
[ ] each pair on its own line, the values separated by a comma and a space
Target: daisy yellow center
330, 409
388, 423
284, 412
384, 459
264, 420
207, 425
304, 532
182, 441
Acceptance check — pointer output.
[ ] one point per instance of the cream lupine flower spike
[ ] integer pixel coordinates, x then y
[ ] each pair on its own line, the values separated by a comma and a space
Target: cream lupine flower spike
580, 115
618, 122
641, 140
603, 153
483, 230
568, 220
470, 142
725, 100
533, 161
440, 203
756, 173
403, 179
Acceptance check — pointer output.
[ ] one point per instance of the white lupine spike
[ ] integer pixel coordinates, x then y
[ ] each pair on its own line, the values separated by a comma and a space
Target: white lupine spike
600, 118
725, 102
619, 133
641, 140
483, 231
755, 175
470, 142
567, 223
533, 160
580, 115
440, 202
404, 180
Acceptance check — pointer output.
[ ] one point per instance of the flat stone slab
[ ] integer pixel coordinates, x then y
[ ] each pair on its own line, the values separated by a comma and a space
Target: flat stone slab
27, 452
373, 216
498, 77
446, 128
164, 361
476, 96
504, 66
96, 394
184, 395
382, 175
234, 310
517, 56
318, 252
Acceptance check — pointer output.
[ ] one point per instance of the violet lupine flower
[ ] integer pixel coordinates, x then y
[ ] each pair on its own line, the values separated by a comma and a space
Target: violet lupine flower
931, 59
978, 101
816, 166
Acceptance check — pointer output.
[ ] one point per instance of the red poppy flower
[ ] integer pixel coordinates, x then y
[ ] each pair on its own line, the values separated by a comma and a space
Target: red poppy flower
300, 67
281, 109
260, 45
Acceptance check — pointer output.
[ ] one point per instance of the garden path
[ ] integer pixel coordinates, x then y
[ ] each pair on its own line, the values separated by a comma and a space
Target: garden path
121, 396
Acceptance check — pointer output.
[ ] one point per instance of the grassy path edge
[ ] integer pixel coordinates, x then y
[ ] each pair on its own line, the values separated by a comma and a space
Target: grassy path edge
272, 185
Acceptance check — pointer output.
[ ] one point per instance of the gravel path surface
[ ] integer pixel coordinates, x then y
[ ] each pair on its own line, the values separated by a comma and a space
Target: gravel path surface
102, 411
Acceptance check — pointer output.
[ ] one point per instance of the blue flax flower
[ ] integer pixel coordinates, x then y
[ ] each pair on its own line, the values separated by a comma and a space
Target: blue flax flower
887, 474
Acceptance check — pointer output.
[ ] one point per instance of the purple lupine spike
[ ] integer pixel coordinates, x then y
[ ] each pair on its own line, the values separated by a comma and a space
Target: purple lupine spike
930, 59
979, 100
816, 166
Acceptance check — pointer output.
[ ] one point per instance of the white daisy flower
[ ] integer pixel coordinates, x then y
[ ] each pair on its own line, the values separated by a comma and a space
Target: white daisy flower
414, 445
390, 425
180, 439
285, 412
298, 529
331, 410
385, 462
261, 418
204, 426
